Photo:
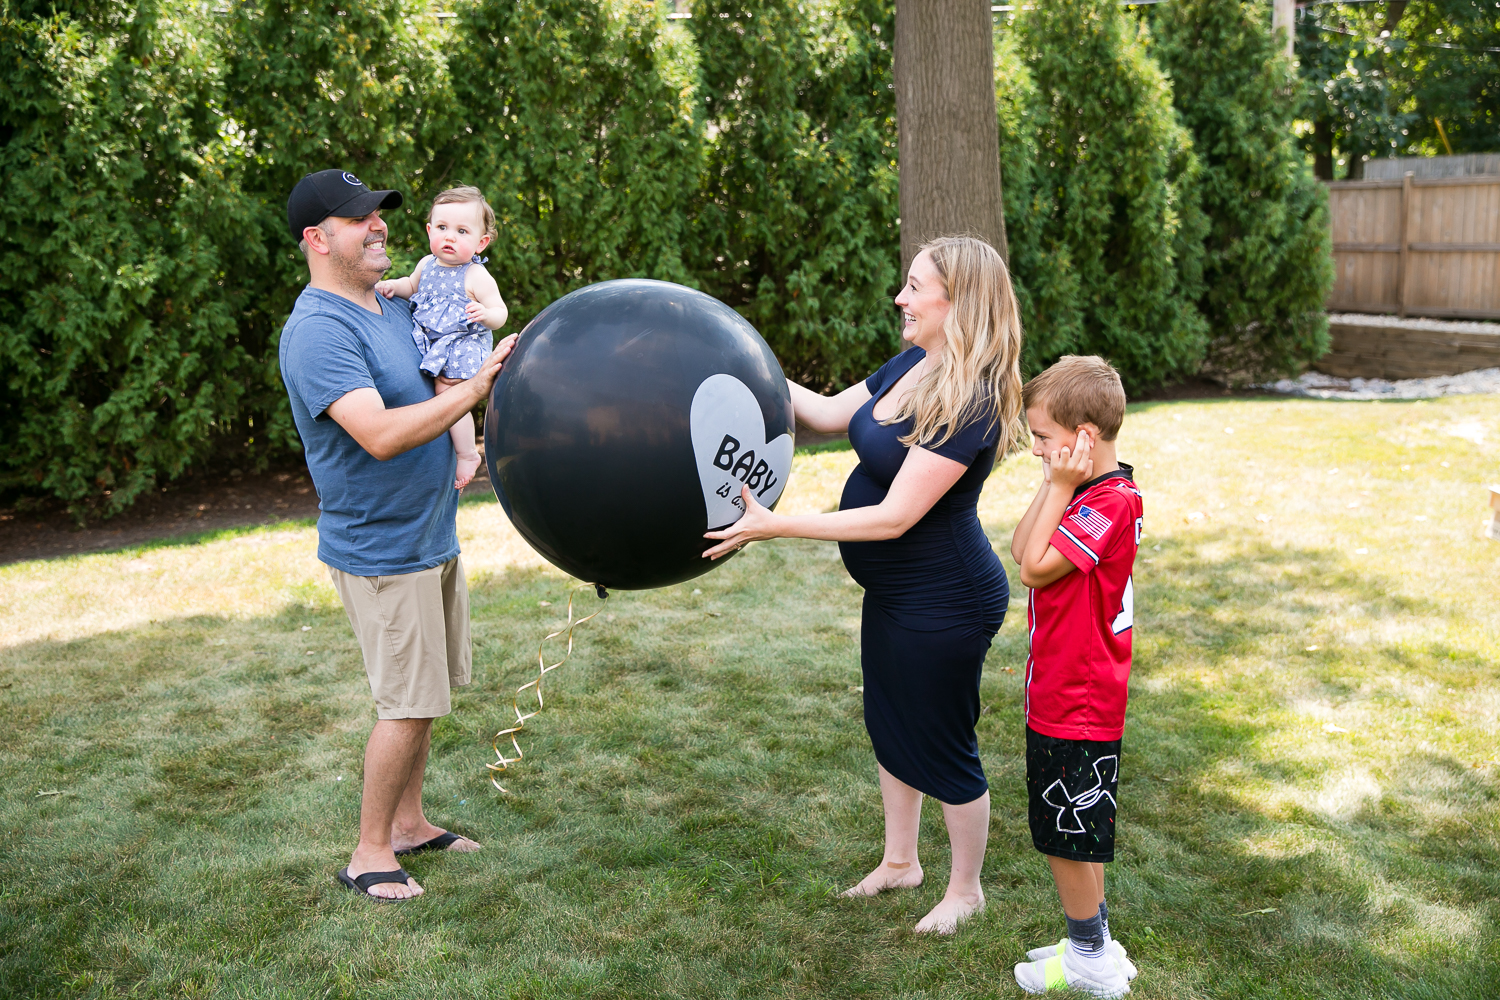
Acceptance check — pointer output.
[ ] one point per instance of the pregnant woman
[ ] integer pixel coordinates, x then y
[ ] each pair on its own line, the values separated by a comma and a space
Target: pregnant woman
927, 427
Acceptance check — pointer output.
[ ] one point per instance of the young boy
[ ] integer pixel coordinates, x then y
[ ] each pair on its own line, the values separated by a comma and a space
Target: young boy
1076, 548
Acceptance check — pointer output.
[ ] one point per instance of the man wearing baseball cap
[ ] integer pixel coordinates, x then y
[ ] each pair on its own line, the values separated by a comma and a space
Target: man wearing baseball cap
377, 445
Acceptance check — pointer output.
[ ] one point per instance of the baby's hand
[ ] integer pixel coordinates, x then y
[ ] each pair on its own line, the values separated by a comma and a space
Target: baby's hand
386, 288
474, 311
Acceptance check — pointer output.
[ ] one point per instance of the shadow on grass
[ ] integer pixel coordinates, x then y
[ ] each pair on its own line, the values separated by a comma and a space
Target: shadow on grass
699, 788
1244, 804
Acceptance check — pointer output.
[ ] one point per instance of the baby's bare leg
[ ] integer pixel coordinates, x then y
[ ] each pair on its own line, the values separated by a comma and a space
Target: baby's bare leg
462, 434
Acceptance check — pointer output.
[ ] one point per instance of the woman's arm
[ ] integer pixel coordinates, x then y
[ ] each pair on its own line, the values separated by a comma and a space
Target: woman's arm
827, 414
924, 477
488, 307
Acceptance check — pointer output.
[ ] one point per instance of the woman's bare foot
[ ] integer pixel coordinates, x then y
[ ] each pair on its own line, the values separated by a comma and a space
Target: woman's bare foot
889, 875
467, 466
953, 910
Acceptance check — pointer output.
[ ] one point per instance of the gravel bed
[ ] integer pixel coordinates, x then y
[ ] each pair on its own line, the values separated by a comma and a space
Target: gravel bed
1319, 386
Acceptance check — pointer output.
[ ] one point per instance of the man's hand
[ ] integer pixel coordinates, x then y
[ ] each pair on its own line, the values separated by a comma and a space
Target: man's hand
387, 433
1070, 469
484, 380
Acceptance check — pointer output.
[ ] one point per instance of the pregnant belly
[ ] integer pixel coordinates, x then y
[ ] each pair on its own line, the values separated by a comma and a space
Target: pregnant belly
941, 573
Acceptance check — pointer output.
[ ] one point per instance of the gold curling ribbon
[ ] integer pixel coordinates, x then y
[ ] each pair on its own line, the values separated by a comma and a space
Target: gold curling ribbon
503, 762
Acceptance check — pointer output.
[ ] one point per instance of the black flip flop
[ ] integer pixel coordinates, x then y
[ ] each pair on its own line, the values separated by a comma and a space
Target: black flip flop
438, 843
361, 883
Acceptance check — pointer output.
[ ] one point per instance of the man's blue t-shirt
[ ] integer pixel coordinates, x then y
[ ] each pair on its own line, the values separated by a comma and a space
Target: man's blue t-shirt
378, 518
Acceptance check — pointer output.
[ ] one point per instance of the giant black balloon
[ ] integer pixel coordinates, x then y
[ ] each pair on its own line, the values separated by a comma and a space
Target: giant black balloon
624, 424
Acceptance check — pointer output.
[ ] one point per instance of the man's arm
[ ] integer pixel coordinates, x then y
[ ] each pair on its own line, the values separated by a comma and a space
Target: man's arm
387, 433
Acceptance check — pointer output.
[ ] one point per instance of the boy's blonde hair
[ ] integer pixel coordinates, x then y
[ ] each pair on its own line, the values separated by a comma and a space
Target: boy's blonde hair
1079, 389
464, 195
981, 362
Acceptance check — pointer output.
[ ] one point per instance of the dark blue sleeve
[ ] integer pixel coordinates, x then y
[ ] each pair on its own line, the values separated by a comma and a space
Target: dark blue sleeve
971, 439
892, 370
324, 360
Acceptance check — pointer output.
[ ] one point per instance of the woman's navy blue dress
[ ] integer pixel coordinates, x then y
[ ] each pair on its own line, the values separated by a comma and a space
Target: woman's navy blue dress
934, 598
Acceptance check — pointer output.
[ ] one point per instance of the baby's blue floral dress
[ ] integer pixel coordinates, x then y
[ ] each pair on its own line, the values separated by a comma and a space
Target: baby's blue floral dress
451, 345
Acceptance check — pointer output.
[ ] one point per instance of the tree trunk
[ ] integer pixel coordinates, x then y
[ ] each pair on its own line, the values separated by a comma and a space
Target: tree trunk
1393, 13
1283, 24
948, 140
1322, 149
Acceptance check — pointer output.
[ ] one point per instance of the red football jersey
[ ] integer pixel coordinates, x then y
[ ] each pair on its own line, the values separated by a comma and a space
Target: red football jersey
1080, 625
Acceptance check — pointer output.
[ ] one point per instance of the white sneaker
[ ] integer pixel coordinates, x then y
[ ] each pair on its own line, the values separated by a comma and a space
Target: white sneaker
1115, 949
1101, 978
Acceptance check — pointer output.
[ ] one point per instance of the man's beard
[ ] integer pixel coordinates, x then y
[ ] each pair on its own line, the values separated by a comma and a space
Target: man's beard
355, 271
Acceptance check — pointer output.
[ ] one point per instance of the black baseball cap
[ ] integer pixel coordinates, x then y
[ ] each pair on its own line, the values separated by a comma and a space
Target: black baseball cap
333, 192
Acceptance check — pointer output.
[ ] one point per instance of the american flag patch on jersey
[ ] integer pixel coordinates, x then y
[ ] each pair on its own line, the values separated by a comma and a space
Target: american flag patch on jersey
1091, 521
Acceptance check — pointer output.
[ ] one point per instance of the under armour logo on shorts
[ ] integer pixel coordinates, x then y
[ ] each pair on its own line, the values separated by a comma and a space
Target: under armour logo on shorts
1068, 805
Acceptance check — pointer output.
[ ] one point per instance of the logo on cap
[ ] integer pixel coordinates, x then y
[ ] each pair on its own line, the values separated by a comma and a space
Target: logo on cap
351, 179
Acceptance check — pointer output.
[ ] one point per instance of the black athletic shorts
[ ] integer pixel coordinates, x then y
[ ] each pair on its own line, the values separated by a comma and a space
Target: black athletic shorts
1071, 787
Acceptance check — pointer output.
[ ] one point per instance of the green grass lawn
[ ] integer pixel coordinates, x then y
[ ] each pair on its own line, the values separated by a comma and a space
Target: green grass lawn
1308, 796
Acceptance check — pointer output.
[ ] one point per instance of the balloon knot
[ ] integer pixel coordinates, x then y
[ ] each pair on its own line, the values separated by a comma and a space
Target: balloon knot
599, 589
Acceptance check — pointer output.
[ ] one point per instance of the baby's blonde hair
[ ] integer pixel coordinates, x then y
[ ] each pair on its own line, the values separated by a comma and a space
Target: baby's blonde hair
980, 366
466, 195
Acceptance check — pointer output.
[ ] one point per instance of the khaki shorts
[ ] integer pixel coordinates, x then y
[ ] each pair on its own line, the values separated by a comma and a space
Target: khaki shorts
414, 632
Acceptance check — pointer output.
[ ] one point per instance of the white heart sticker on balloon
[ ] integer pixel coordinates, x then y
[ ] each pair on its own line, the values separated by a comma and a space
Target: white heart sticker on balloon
729, 441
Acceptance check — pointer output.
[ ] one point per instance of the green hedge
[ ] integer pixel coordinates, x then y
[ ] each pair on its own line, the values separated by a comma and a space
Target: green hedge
1101, 193
123, 232
149, 150
1269, 254
749, 151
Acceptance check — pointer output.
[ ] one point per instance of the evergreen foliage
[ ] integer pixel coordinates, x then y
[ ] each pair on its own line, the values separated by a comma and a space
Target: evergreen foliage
149, 152
148, 149
796, 225
1105, 231
1268, 263
577, 119
123, 356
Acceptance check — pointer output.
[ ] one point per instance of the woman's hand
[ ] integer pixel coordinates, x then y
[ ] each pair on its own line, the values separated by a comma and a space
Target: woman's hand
757, 524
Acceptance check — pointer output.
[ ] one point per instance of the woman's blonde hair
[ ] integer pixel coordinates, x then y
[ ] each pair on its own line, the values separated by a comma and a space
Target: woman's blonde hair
980, 366
466, 195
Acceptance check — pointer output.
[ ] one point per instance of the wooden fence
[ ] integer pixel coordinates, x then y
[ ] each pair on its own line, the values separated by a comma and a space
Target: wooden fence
1418, 246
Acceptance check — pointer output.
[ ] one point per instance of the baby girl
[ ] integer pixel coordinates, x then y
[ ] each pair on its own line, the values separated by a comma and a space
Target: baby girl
455, 303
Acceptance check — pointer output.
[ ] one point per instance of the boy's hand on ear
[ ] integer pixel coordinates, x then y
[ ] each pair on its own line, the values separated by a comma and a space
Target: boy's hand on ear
1072, 468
